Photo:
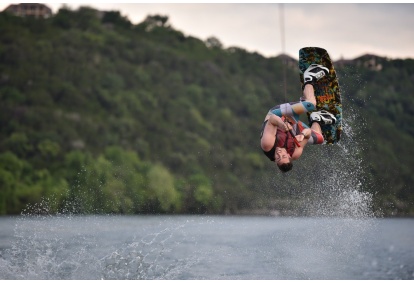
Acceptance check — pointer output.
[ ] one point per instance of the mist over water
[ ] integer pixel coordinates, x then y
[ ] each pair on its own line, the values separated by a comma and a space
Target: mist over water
339, 187
334, 183
333, 194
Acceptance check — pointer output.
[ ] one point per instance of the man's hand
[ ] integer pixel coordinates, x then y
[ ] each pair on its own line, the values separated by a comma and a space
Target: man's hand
279, 123
300, 137
306, 134
287, 126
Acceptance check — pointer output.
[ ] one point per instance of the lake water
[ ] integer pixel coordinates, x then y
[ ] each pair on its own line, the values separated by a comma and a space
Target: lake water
205, 247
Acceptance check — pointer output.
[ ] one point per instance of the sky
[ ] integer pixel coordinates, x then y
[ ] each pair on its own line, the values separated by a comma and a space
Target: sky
346, 30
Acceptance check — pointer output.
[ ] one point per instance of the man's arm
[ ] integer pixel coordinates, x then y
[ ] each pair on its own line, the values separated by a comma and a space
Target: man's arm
277, 121
269, 133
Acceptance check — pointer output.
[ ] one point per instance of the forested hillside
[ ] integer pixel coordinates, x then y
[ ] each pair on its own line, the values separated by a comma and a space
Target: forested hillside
113, 117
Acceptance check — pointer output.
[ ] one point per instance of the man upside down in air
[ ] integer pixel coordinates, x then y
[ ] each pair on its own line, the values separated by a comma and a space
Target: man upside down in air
283, 138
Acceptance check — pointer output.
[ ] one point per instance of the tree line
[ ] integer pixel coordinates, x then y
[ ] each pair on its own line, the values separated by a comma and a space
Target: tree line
100, 115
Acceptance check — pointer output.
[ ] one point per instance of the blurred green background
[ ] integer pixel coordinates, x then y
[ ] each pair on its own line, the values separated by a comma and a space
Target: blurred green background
113, 117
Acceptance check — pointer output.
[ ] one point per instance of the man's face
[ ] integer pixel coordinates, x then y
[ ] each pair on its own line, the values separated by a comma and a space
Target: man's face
281, 156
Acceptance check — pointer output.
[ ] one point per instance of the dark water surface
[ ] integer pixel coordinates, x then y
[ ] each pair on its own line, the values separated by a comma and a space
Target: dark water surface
205, 247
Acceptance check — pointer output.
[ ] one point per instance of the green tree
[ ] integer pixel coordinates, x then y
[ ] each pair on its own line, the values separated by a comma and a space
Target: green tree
161, 188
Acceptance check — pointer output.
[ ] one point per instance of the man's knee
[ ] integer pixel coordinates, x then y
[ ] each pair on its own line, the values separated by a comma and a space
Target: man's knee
316, 138
309, 105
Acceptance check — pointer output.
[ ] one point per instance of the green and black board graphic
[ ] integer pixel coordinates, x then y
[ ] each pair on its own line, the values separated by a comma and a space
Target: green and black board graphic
327, 91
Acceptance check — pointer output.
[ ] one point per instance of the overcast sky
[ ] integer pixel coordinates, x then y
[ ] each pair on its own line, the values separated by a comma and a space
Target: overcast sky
345, 30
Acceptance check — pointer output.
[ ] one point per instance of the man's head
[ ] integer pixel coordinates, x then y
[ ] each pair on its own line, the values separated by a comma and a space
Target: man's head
283, 159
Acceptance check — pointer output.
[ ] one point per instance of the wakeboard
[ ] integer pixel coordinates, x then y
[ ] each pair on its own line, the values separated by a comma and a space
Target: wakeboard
327, 91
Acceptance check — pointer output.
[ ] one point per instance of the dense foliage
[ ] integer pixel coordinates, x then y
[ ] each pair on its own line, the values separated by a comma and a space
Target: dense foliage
112, 117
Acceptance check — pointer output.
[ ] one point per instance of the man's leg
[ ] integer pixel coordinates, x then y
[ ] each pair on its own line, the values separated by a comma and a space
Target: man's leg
316, 127
309, 97
292, 109
307, 103
309, 94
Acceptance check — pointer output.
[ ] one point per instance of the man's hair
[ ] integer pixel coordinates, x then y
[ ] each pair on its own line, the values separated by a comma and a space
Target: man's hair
285, 167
